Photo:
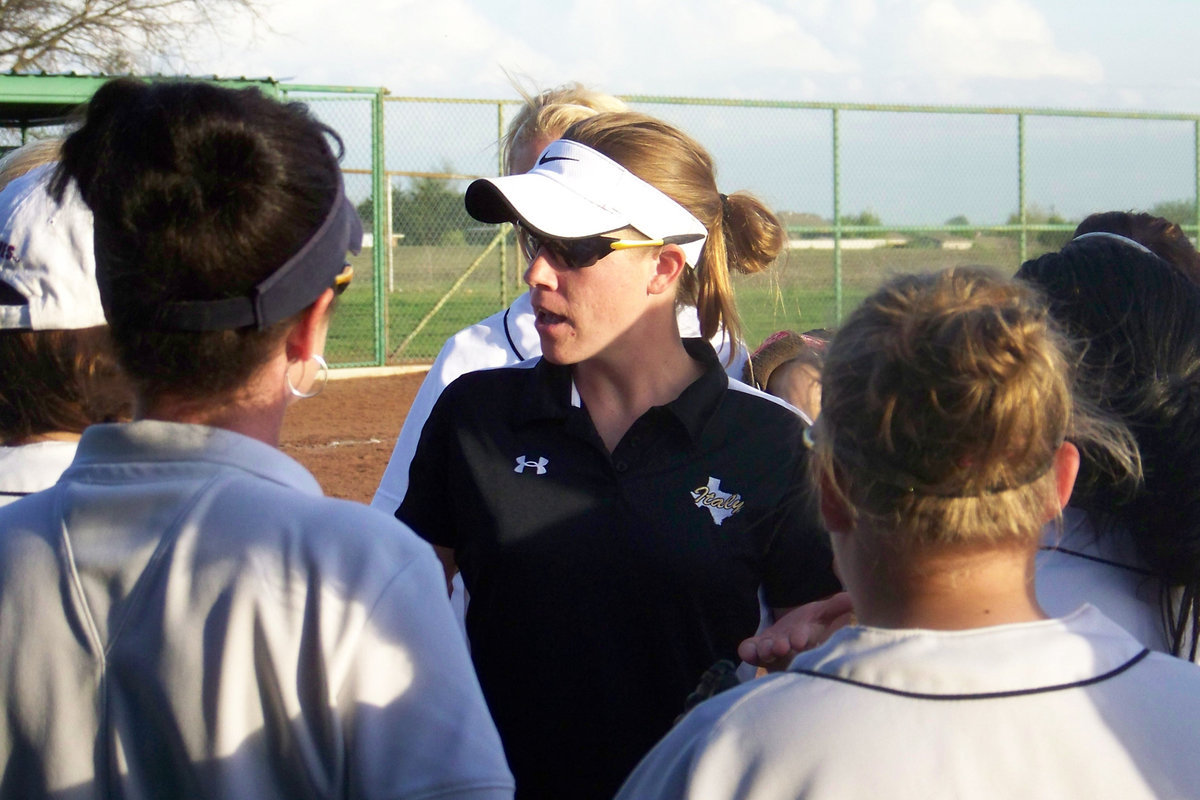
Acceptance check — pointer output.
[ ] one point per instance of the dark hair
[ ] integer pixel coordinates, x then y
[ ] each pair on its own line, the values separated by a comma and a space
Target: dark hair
1140, 318
1161, 236
58, 381
198, 193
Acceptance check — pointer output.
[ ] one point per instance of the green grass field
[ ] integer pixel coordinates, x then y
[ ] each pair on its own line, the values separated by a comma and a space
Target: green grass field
798, 293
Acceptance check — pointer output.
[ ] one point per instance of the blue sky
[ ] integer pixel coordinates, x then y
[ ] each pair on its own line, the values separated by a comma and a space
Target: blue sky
1051, 53
1077, 54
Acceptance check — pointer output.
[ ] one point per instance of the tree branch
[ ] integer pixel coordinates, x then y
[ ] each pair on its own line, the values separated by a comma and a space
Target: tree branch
95, 34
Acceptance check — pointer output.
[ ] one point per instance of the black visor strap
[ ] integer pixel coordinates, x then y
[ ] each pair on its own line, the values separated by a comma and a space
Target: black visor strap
287, 290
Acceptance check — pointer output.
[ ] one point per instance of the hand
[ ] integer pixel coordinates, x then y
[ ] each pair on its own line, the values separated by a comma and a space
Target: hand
802, 628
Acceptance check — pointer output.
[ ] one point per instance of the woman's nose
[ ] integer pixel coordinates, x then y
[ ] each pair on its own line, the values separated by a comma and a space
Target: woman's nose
541, 272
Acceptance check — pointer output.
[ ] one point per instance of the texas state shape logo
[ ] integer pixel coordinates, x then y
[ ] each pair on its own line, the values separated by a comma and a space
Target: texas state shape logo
721, 505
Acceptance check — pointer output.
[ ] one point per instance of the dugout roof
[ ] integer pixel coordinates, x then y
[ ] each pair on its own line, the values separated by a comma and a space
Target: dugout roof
40, 100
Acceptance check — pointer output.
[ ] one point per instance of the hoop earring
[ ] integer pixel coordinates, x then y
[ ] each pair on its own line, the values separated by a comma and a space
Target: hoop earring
318, 385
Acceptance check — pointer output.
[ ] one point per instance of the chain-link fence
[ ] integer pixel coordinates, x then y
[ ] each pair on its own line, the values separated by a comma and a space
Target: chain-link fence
865, 191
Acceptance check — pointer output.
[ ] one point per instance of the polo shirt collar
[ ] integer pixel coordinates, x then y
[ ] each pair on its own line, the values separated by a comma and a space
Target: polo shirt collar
697, 404
151, 445
549, 396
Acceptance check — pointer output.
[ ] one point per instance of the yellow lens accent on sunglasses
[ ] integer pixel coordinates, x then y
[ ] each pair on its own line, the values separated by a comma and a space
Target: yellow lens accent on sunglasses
343, 279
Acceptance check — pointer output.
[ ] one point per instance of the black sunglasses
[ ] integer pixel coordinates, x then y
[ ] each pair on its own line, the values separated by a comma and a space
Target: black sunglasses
585, 251
342, 281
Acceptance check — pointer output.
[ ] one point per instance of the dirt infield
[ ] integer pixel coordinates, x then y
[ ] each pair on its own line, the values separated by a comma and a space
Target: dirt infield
345, 435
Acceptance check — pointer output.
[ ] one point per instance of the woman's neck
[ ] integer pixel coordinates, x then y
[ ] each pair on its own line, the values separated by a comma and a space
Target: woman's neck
954, 588
255, 410
616, 391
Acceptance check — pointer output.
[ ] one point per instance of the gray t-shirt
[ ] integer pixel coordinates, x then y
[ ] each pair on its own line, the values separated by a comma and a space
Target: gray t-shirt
185, 615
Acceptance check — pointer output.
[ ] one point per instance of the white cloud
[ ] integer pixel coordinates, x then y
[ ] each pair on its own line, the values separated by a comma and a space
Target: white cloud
410, 46
693, 47
994, 39
703, 47
888, 51
860, 12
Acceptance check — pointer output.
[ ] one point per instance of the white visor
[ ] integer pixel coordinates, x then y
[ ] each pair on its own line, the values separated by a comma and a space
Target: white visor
46, 255
573, 191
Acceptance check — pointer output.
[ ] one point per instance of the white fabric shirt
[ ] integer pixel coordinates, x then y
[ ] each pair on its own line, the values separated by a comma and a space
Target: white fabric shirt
1076, 566
1064, 708
184, 615
30, 468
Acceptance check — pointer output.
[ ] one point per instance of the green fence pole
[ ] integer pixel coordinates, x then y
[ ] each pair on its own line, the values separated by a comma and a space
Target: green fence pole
1021, 184
500, 171
837, 221
1196, 197
379, 226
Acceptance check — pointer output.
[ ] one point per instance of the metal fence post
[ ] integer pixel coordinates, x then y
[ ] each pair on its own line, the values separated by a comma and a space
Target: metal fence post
391, 261
1021, 186
500, 171
379, 226
837, 220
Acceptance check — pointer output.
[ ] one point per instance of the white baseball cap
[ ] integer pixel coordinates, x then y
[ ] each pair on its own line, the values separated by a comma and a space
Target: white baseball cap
47, 256
574, 191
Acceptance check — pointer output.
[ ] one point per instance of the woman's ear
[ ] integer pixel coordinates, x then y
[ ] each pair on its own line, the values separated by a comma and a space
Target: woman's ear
1066, 469
670, 265
835, 511
307, 336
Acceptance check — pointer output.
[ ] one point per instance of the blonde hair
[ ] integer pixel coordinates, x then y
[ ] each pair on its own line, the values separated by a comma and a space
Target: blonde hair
17, 162
945, 399
743, 234
548, 113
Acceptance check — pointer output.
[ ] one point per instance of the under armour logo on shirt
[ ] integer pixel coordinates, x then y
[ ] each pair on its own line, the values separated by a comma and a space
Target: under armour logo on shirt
524, 463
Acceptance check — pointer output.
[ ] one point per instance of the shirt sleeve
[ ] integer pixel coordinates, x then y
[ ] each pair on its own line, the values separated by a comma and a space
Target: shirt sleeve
450, 363
483, 345
419, 726
394, 483
425, 507
799, 561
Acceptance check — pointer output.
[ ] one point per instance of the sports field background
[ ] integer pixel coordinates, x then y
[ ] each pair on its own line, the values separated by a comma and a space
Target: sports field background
344, 436
798, 293
945, 185
1000, 183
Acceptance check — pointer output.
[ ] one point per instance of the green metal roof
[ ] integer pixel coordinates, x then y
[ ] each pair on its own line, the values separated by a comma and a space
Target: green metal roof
30, 100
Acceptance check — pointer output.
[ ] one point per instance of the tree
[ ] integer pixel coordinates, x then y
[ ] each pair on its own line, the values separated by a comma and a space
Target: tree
111, 36
430, 212
866, 217
1036, 215
1181, 212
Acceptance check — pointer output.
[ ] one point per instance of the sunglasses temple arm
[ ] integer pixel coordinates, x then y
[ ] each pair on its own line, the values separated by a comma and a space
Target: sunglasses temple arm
683, 238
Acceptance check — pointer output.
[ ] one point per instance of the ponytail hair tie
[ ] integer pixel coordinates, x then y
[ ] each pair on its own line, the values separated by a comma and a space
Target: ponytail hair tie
725, 212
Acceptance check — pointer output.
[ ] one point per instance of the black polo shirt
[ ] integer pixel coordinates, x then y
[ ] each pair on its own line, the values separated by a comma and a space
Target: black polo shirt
603, 585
